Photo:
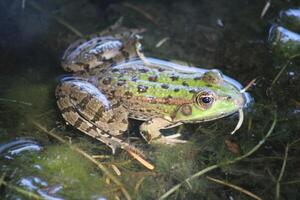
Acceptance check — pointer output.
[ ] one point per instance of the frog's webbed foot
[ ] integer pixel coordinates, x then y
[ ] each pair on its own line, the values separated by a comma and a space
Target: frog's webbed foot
87, 109
150, 131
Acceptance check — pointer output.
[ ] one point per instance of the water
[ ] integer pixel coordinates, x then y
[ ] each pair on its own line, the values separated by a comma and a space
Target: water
228, 35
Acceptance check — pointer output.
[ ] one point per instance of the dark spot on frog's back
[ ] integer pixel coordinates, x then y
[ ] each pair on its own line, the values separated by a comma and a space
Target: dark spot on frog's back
161, 69
165, 86
142, 88
143, 70
115, 70
152, 78
174, 77
121, 82
106, 81
176, 90
134, 79
184, 83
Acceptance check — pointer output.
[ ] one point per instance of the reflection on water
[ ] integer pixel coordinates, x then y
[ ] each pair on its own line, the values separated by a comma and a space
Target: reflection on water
35, 184
16, 147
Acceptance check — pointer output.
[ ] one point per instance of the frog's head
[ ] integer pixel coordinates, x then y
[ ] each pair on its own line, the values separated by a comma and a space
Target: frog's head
217, 96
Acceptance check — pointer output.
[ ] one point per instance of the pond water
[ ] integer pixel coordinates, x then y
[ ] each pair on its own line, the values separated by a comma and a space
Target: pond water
43, 158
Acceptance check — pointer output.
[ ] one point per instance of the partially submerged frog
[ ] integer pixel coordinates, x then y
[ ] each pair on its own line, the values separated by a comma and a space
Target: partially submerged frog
112, 82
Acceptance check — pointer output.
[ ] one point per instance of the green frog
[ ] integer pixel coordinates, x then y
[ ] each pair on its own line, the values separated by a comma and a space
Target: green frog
112, 82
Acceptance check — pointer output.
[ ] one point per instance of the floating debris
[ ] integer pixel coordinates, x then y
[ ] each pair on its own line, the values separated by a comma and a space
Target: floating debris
161, 42
265, 9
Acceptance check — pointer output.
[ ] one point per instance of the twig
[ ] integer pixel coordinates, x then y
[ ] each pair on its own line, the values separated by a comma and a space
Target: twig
281, 172
291, 182
234, 187
87, 156
210, 168
142, 12
20, 190
16, 101
58, 19
161, 42
294, 142
265, 9
283, 68
138, 185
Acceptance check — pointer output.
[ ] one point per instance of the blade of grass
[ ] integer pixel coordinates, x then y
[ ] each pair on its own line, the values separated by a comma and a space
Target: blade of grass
141, 11
210, 168
58, 19
238, 188
281, 172
283, 68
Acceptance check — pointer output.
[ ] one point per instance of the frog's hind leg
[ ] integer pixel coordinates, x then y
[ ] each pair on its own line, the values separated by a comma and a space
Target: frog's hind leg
86, 108
101, 52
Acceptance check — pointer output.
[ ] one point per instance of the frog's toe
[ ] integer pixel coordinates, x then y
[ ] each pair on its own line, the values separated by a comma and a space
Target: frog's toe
168, 140
173, 136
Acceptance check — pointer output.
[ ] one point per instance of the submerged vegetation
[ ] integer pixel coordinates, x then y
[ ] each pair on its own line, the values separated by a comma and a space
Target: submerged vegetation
42, 158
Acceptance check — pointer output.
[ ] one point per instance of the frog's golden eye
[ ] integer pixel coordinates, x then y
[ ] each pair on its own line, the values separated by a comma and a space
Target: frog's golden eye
204, 99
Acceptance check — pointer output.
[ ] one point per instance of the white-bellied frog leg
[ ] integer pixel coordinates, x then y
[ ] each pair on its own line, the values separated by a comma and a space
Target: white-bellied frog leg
150, 130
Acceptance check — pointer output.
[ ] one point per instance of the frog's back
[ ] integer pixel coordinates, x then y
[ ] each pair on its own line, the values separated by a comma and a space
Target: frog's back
156, 88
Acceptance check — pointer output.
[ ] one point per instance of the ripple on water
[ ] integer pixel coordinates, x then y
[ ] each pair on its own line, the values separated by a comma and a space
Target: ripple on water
18, 146
41, 187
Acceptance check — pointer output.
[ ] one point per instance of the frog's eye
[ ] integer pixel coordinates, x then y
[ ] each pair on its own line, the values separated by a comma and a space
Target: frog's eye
204, 99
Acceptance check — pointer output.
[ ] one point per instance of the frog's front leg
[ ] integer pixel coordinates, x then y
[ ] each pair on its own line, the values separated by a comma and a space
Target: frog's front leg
87, 109
150, 130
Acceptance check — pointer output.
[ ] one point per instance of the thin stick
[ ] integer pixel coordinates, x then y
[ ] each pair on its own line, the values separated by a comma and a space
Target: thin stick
248, 86
240, 189
281, 172
265, 9
141, 160
291, 182
283, 68
280, 72
210, 168
16, 101
141, 11
161, 42
87, 156
58, 19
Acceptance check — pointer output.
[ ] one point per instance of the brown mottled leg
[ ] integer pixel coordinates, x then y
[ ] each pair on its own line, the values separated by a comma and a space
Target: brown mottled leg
150, 131
86, 108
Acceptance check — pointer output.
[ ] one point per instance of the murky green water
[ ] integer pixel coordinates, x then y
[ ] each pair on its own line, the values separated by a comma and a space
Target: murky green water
228, 35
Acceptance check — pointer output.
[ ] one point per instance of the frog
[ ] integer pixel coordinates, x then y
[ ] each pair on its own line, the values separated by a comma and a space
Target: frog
111, 82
